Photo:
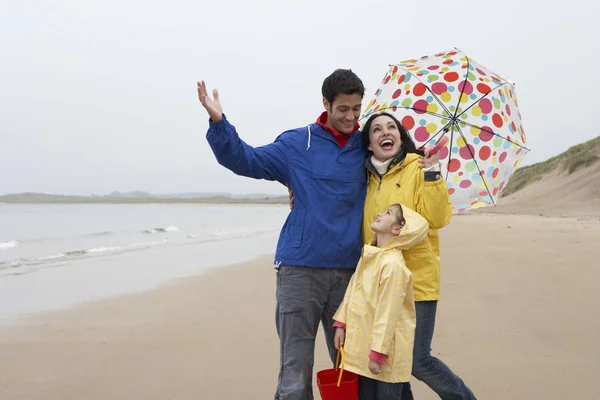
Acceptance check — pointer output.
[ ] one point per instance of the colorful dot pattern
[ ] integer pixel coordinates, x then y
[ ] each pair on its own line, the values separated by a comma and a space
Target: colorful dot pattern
479, 110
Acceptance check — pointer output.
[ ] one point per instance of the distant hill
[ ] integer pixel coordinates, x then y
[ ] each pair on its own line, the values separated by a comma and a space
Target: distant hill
189, 195
143, 198
568, 184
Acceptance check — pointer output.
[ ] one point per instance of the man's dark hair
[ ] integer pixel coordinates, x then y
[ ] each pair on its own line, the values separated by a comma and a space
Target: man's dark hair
342, 81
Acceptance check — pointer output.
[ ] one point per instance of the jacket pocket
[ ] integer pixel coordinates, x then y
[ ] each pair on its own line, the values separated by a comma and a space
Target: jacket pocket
342, 184
420, 260
295, 231
338, 174
293, 292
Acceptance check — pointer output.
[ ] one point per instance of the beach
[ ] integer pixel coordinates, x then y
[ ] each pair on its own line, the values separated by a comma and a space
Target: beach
517, 320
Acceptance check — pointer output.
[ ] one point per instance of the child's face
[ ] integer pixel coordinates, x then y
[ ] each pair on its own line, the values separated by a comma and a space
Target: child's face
387, 222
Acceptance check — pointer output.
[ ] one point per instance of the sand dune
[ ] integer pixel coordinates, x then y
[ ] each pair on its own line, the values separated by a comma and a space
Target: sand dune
557, 194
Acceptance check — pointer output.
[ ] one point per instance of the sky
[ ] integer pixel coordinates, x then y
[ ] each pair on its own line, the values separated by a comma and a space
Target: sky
100, 96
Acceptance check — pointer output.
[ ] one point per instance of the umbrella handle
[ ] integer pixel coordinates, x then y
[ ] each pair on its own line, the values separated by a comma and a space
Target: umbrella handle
337, 364
438, 146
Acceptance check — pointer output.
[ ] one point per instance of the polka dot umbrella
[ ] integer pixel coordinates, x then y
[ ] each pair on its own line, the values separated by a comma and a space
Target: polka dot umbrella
449, 94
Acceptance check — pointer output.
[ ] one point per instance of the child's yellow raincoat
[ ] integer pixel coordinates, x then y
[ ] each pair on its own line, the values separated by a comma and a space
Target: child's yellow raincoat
378, 308
404, 183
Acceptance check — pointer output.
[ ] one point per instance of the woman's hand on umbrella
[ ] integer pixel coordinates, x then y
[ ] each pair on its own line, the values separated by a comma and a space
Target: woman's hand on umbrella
212, 106
429, 160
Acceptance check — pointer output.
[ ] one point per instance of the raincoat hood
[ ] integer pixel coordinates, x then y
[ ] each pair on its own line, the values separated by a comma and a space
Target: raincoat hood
412, 233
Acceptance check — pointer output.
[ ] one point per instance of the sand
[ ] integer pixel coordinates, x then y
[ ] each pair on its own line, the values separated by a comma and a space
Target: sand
518, 319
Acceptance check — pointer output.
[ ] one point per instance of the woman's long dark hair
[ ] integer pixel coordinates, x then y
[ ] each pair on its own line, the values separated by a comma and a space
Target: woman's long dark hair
408, 146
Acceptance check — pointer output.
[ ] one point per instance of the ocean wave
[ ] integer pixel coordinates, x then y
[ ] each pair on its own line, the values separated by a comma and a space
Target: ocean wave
106, 233
8, 245
223, 236
11, 263
76, 254
161, 230
52, 257
43, 239
113, 249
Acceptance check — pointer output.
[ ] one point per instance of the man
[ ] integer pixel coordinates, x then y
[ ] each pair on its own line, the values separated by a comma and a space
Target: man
320, 242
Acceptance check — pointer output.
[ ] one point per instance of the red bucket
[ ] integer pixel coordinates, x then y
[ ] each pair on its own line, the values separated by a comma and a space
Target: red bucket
337, 384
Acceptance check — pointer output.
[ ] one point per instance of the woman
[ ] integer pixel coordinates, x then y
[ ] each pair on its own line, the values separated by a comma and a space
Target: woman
399, 173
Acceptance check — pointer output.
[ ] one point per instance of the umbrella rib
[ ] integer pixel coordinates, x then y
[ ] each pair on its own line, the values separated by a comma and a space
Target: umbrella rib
408, 108
433, 94
481, 98
496, 134
438, 100
475, 126
463, 88
476, 165
444, 128
450, 149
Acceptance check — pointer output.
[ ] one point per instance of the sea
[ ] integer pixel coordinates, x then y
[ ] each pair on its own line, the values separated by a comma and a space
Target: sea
57, 256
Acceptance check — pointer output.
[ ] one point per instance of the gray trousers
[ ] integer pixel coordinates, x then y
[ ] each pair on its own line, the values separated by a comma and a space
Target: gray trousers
305, 297
371, 389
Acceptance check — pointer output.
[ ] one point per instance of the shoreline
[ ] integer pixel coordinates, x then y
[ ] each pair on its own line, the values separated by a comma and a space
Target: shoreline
32, 318
65, 285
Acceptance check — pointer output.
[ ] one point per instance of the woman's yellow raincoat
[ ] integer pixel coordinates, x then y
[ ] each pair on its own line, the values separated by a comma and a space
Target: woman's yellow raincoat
404, 183
378, 308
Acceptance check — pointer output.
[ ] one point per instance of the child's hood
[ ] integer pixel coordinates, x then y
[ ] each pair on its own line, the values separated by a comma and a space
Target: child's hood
414, 232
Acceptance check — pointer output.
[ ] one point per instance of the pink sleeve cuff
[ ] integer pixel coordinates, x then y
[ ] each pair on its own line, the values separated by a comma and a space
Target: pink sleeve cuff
338, 324
377, 357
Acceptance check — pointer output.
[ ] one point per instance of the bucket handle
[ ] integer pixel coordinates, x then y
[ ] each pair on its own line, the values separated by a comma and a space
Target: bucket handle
337, 364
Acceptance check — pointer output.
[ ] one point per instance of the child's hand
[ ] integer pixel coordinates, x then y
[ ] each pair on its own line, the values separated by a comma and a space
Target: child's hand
340, 336
374, 367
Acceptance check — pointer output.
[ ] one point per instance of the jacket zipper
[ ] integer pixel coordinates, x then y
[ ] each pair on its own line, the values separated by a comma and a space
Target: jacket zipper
378, 193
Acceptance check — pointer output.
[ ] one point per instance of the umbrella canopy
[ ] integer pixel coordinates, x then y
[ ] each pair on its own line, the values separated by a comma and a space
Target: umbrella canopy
449, 94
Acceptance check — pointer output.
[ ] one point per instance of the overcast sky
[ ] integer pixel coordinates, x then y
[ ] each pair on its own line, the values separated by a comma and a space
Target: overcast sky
97, 96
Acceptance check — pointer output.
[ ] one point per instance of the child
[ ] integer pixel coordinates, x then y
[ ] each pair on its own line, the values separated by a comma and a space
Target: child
376, 320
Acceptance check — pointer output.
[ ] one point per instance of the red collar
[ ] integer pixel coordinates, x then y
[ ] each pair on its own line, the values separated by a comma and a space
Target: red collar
339, 137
